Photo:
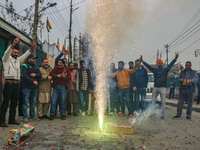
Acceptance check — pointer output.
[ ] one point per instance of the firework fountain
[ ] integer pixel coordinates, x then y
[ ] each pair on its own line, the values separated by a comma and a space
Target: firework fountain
108, 24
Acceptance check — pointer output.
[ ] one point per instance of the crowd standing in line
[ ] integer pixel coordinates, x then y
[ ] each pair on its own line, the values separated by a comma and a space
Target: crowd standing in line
65, 86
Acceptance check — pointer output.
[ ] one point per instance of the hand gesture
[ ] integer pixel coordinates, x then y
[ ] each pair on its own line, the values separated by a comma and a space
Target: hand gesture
35, 82
176, 55
134, 88
59, 75
16, 41
33, 44
32, 74
141, 58
49, 77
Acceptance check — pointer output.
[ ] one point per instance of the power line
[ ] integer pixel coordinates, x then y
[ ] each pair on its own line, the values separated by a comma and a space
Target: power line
186, 39
188, 24
188, 46
198, 22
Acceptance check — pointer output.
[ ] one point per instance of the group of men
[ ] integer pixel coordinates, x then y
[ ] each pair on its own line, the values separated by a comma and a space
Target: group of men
26, 83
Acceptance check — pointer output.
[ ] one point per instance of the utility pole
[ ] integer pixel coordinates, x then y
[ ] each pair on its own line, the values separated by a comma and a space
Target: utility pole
157, 55
35, 25
167, 51
70, 33
79, 57
74, 51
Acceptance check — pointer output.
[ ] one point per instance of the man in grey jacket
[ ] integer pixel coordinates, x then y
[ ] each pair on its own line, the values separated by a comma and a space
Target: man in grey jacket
11, 64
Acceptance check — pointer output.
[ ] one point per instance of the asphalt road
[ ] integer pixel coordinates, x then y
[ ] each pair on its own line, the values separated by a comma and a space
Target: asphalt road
82, 133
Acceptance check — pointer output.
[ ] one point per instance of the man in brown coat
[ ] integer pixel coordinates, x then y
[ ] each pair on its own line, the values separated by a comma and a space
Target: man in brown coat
44, 89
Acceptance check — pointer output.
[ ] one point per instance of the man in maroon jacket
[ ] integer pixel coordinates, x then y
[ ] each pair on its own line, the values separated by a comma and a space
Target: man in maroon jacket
60, 74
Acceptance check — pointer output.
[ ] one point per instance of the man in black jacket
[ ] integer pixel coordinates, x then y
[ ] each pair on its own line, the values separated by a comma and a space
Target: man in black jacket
160, 75
30, 76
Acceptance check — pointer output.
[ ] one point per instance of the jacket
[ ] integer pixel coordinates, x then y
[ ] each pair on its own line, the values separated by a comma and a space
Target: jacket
123, 77
27, 80
139, 78
160, 74
44, 85
11, 65
192, 75
79, 80
60, 81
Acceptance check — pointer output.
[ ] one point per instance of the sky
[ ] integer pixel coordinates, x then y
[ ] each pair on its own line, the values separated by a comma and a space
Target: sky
147, 27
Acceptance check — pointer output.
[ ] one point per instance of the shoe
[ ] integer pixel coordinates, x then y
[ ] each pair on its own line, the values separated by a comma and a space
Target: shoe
162, 117
45, 117
51, 117
120, 115
83, 114
34, 119
14, 122
63, 117
188, 117
137, 114
25, 120
66, 115
57, 116
69, 113
144, 114
75, 114
3, 125
177, 117
111, 113
131, 115
40, 117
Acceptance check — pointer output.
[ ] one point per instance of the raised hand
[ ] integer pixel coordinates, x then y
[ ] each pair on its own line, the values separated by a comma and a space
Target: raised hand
16, 41
33, 44
141, 58
176, 55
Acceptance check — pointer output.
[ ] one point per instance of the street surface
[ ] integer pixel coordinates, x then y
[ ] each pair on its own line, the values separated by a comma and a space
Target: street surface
77, 133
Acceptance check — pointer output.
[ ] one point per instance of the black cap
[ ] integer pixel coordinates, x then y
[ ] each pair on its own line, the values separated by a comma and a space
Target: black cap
31, 56
75, 64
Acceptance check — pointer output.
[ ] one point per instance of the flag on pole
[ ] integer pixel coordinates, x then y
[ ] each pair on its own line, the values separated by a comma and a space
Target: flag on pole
48, 25
58, 44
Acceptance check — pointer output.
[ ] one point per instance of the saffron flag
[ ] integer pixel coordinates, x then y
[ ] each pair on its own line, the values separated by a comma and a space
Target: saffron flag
48, 25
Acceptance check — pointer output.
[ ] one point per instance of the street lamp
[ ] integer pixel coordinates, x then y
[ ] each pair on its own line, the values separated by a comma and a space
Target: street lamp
197, 52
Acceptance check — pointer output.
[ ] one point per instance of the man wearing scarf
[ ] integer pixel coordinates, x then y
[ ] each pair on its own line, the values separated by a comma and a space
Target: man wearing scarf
160, 78
123, 82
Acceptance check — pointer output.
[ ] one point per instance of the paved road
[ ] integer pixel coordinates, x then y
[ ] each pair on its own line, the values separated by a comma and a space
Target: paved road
82, 133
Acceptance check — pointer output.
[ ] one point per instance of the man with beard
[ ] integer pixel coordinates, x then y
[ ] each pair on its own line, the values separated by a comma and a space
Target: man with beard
160, 75
11, 64
44, 89
188, 78
30, 76
72, 95
123, 82
139, 85
60, 75
83, 83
